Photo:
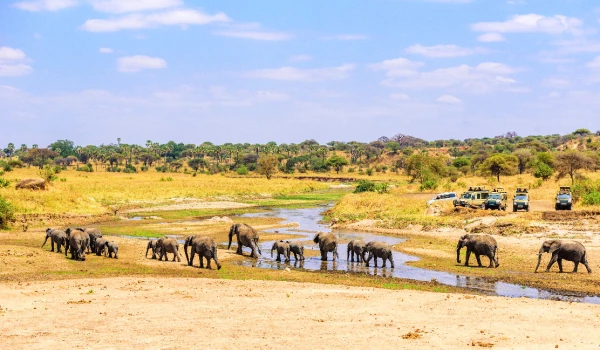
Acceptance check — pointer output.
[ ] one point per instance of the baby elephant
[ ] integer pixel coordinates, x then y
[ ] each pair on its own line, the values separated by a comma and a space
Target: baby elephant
282, 248
110, 249
479, 245
100, 246
380, 250
563, 249
356, 247
297, 248
151, 246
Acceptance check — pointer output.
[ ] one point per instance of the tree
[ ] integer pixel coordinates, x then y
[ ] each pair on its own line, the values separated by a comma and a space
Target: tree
524, 156
581, 132
337, 162
267, 165
38, 156
570, 162
424, 167
64, 147
196, 163
393, 146
500, 164
543, 171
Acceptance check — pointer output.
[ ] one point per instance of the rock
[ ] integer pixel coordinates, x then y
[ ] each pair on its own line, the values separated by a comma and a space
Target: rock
31, 184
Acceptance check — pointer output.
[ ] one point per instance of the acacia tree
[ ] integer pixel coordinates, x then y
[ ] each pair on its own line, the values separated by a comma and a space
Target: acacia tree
423, 167
524, 157
337, 162
267, 165
499, 164
570, 162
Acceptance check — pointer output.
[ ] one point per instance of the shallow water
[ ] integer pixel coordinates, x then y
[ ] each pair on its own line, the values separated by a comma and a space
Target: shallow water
308, 220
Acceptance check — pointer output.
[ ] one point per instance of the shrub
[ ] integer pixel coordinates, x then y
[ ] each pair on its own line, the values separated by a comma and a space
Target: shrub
429, 184
48, 174
7, 213
242, 170
88, 168
113, 169
162, 169
4, 183
542, 171
586, 190
370, 186
130, 169
144, 168
369, 171
351, 170
163, 179
62, 179
5, 166
15, 163
592, 198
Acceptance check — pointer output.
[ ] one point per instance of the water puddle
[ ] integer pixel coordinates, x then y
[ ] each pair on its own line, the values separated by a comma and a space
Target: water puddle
308, 220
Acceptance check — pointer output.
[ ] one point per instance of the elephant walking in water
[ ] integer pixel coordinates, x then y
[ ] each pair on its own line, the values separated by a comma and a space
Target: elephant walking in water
282, 248
479, 245
328, 242
297, 248
246, 237
57, 237
563, 249
356, 247
380, 250
205, 247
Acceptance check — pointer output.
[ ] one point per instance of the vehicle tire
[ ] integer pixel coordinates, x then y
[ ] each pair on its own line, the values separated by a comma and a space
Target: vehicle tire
556, 207
504, 208
514, 209
570, 207
484, 207
527, 209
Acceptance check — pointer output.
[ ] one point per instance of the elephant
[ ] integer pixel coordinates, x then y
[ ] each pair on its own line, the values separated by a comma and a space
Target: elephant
57, 237
328, 242
380, 250
100, 246
168, 245
205, 247
246, 237
151, 246
297, 248
479, 245
563, 249
111, 248
356, 246
78, 243
282, 248
94, 234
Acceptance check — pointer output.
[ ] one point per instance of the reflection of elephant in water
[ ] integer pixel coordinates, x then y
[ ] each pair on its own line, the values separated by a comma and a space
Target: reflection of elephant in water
567, 250
297, 248
205, 247
246, 237
282, 248
111, 248
380, 250
328, 242
479, 245
94, 234
152, 246
57, 237
168, 245
356, 246
78, 243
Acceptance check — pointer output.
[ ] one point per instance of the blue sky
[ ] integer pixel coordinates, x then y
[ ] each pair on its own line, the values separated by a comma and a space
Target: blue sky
257, 71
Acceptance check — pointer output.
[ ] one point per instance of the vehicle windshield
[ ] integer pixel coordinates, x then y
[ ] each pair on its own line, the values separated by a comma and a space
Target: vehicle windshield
521, 197
466, 195
564, 196
495, 196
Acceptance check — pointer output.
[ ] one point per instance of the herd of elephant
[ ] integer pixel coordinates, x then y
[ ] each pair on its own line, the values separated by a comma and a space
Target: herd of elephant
78, 240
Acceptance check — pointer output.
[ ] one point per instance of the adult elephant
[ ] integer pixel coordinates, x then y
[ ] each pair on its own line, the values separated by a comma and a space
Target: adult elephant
282, 248
563, 250
356, 247
478, 245
94, 234
205, 247
328, 242
151, 246
246, 237
57, 237
78, 243
168, 245
380, 250
297, 248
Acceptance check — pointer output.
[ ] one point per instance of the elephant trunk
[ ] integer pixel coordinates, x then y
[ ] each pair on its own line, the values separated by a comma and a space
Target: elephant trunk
43, 244
458, 247
185, 249
273, 248
230, 236
539, 258
147, 248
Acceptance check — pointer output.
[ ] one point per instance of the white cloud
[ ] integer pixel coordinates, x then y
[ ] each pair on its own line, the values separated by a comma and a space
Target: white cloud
139, 62
10, 54
443, 51
14, 70
346, 37
105, 50
300, 58
306, 75
398, 67
254, 35
123, 6
449, 99
490, 38
532, 23
181, 17
45, 5
594, 64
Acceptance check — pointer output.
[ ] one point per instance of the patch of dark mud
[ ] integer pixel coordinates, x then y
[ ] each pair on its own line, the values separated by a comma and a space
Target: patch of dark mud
566, 215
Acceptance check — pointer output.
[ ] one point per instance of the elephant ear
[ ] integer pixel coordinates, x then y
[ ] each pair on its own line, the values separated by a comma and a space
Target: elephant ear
554, 246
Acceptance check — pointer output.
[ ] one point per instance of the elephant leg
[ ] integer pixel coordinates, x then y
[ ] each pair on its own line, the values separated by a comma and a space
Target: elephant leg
278, 257
192, 254
116, 251
201, 258
295, 256
391, 261
478, 260
384, 259
59, 247
352, 257
368, 259
52, 245
174, 255
208, 262
239, 247
552, 261
468, 256
585, 263
559, 262
576, 265
323, 255
491, 257
375, 260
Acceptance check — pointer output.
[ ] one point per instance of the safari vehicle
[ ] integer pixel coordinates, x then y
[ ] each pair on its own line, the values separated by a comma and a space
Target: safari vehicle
475, 196
442, 197
497, 199
564, 199
521, 200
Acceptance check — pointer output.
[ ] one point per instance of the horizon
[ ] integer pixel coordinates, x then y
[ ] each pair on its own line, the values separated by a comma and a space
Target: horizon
193, 71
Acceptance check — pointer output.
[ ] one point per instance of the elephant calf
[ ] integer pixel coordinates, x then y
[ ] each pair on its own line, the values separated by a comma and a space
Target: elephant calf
111, 248
479, 245
151, 246
380, 250
94, 234
100, 246
168, 245
205, 247
563, 249
328, 242
282, 248
356, 247
297, 248
57, 237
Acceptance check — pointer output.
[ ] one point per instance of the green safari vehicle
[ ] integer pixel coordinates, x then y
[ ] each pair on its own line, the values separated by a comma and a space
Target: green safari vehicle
521, 200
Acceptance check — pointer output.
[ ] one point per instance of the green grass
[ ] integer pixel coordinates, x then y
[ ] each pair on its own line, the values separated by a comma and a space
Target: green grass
195, 213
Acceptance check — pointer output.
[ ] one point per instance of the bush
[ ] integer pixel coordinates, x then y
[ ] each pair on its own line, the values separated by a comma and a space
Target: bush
586, 190
4, 183
144, 168
130, 169
351, 170
5, 166
370, 186
113, 169
15, 163
7, 213
592, 198
48, 174
369, 171
162, 169
242, 170
163, 179
542, 171
88, 168
429, 184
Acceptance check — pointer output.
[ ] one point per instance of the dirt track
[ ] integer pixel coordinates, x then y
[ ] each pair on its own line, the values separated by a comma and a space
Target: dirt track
154, 313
